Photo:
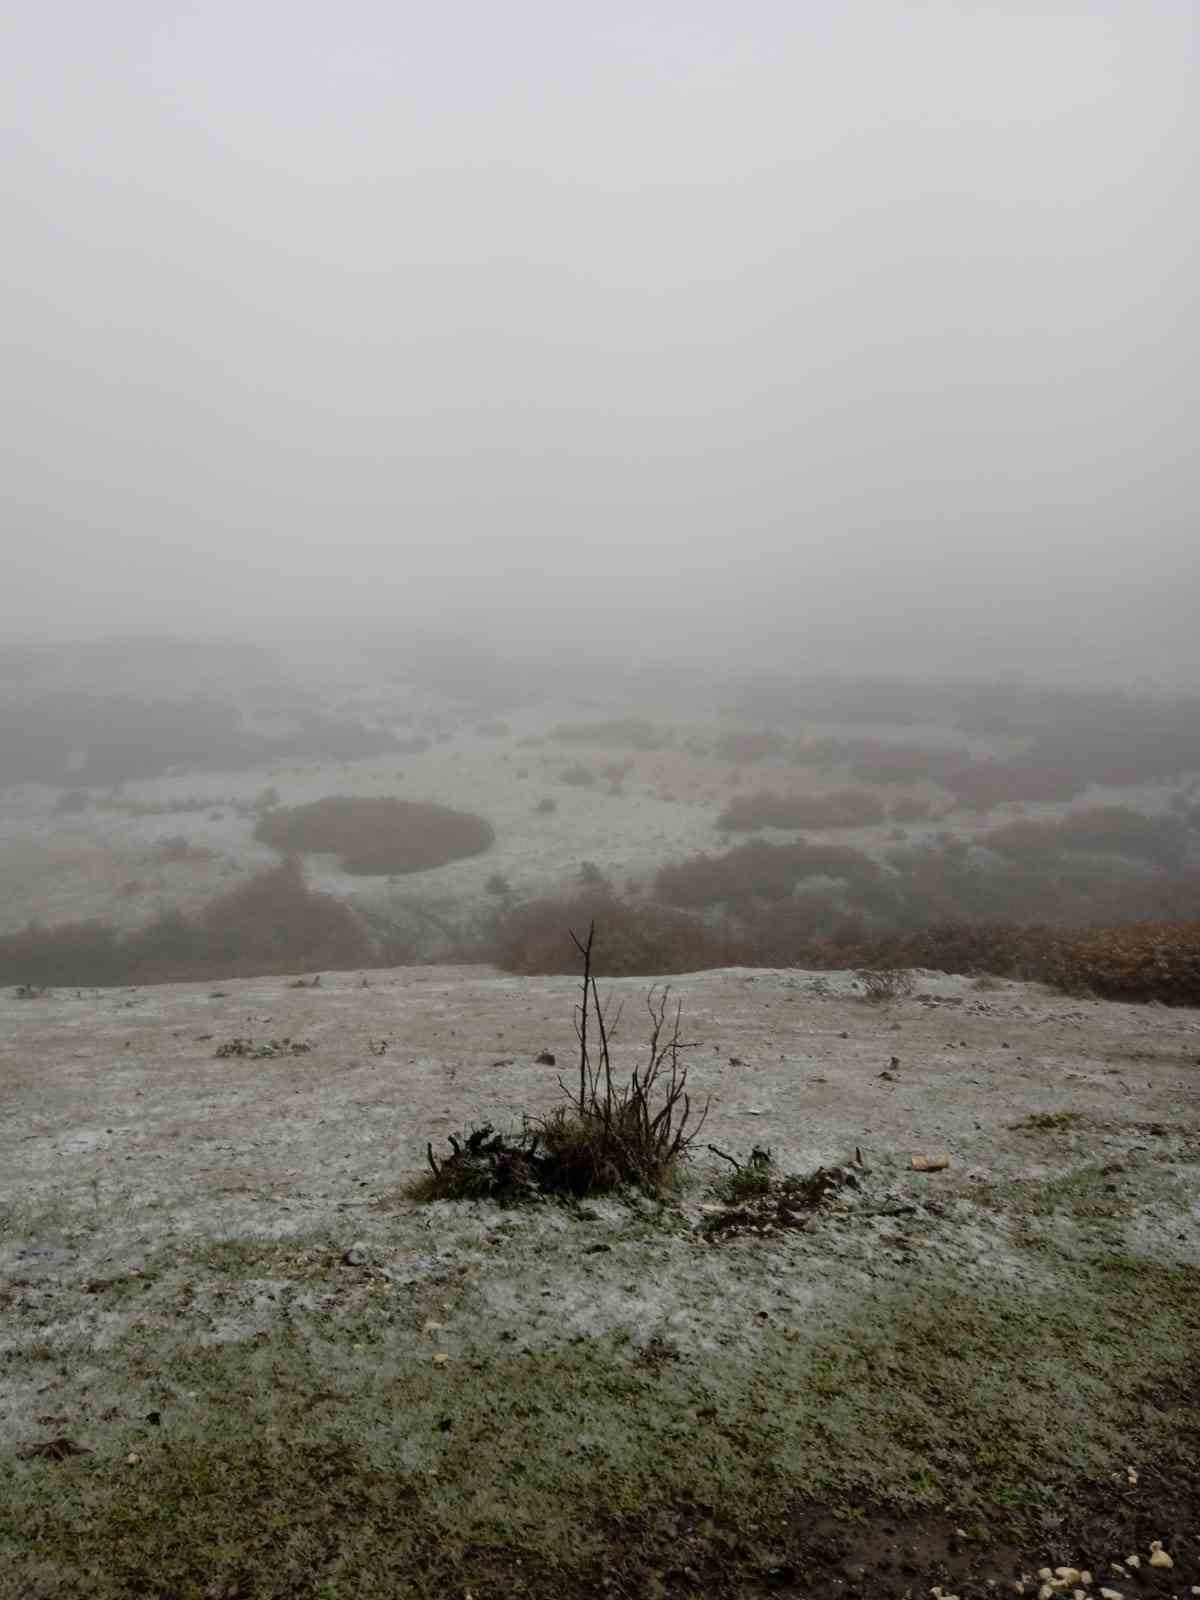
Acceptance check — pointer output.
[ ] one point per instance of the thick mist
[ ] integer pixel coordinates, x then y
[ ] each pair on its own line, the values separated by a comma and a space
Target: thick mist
858, 335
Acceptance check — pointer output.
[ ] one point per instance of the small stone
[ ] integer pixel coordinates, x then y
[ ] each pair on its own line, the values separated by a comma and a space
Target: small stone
1158, 1556
132, 1459
356, 1256
1133, 1561
440, 1359
1111, 1594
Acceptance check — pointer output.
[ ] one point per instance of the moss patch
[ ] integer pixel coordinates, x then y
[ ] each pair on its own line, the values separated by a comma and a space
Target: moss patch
313, 1461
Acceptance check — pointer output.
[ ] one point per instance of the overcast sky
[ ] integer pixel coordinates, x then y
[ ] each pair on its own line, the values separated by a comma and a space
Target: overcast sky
807, 320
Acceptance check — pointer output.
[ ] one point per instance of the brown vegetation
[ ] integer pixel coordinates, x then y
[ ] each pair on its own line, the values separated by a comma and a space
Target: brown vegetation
759, 870
273, 923
1136, 961
1107, 830
843, 808
632, 941
740, 744
377, 835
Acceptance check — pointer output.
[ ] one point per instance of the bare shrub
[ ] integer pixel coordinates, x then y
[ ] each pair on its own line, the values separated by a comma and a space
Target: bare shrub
882, 985
612, 1133
376, 835
635, 1132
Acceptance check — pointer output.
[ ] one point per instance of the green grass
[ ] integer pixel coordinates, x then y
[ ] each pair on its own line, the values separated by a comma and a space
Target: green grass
323, 1459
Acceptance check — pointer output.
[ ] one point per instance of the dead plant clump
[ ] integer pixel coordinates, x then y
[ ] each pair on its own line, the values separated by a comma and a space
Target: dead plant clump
756, 1199
882, 985
612, 1133
270, 1050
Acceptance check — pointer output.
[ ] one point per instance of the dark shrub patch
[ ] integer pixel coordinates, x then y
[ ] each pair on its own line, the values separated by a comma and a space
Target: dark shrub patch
381, 835
1139, 961
71, 801
632, 941
741, 744
1104, 830
759, 870
273, 923
844, 808
578, 776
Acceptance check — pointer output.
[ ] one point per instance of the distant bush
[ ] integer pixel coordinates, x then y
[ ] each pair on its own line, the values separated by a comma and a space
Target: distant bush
273, 923
1133, 961
1105, 830
382, 835
759, 870
578, 776
71, 801
843, 808
1137, 962
178, 847
984, 784
546, 805
632, 941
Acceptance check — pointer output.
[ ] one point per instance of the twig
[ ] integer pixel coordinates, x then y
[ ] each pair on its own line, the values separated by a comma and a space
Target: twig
736, 1165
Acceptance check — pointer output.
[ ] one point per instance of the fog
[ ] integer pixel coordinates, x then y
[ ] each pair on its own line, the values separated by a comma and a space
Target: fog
857, 334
